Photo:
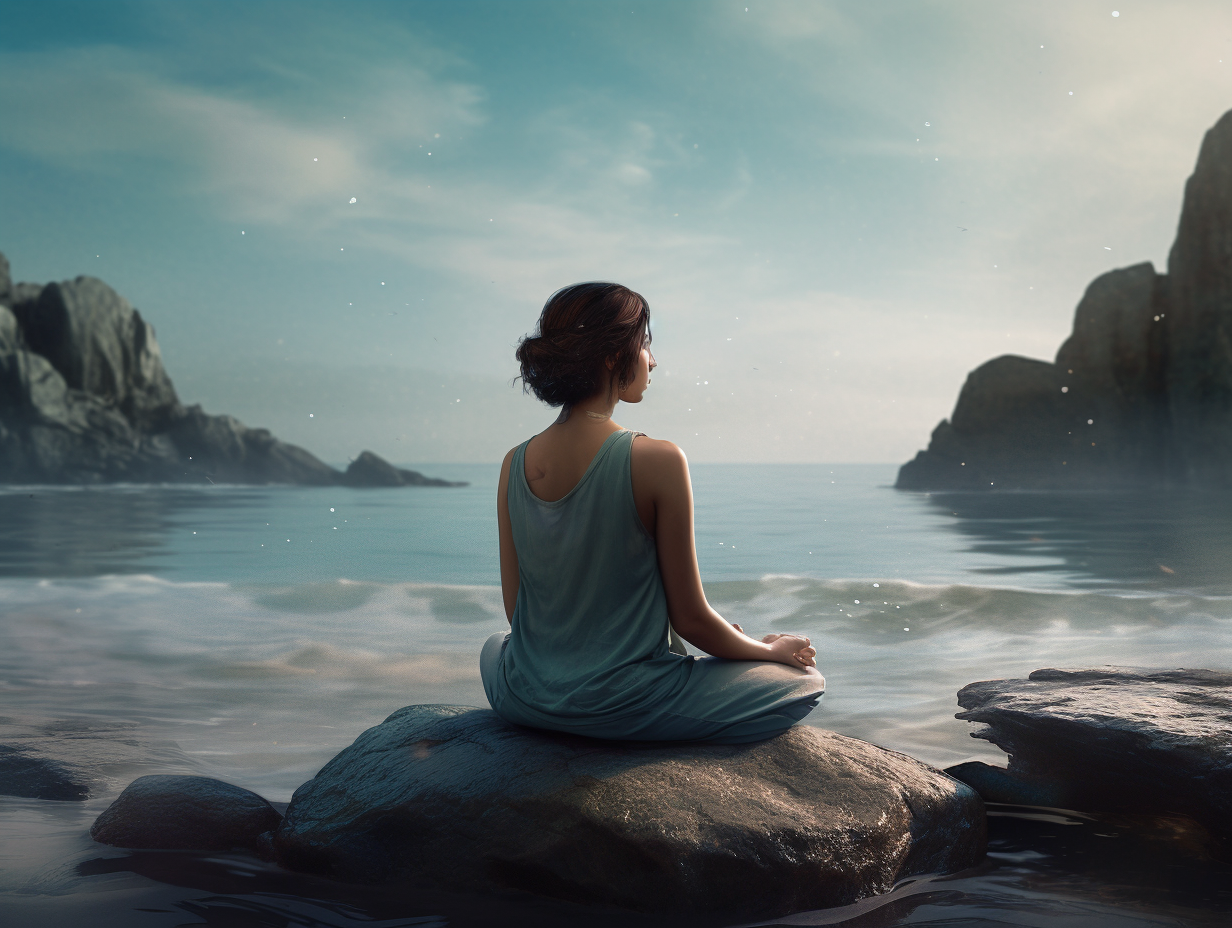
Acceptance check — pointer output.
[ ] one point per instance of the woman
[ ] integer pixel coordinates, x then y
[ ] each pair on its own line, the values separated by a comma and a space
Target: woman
597, 555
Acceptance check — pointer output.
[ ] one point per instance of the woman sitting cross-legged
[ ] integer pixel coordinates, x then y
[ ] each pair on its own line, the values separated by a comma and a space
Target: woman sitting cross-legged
599, 567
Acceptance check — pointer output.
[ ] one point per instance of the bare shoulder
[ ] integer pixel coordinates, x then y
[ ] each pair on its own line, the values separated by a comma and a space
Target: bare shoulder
658, 456
507, 466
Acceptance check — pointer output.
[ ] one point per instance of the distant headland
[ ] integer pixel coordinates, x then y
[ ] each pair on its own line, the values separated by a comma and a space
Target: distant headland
1140, 394
84, 399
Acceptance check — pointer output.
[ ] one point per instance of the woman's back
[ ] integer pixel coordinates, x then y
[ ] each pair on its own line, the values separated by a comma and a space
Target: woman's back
590, 611
598, 560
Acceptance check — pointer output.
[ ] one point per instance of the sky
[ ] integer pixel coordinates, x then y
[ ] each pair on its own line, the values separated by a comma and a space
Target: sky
341, 217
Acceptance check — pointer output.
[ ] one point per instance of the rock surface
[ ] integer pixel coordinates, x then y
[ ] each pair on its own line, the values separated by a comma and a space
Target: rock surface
186, 813
1140, 393
69, 759
454, 797
369, 470
84, 398
1109, 740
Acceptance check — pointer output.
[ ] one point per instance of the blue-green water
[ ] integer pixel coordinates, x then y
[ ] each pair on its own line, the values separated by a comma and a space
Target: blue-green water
259, 630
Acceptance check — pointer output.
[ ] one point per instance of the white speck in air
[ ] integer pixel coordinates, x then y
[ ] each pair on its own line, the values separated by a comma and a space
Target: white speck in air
331, 508
437, 136
1116, 13
856, 601
352, 199
928, 124
1071, 93
906, 629
1090, 422
1065, 389
382, 283
314, 159
309, 415
241, 233
876, 584
1107, 248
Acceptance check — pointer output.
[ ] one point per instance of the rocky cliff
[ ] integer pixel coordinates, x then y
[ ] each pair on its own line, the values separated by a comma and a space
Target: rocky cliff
84, 398
1139, 395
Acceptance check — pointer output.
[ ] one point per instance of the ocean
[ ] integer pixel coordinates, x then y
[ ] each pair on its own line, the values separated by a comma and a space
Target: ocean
250, 634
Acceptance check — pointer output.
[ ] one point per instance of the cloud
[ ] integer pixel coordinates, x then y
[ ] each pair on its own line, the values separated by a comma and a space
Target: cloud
102, 109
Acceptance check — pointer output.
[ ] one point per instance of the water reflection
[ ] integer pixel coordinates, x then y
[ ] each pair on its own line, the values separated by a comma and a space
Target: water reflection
86, 532
1178, 540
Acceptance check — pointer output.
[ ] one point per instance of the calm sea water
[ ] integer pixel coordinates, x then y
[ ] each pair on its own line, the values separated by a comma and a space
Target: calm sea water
251, 633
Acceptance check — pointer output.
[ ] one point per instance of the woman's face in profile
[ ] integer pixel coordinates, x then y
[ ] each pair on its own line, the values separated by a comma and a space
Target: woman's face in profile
632, 393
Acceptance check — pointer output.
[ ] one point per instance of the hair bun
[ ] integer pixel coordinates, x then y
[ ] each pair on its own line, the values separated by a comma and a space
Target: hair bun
581, 328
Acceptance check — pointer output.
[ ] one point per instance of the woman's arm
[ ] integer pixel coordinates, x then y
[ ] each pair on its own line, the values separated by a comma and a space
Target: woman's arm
662, 472
508, 553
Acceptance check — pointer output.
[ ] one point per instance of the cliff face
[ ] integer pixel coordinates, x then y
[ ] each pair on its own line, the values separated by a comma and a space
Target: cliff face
84, 398
1140, 394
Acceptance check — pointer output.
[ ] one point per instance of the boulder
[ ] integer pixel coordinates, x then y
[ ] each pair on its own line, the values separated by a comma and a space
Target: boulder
452, 796
84, 398
186, 813
1140, 394
1108, 740
370, 470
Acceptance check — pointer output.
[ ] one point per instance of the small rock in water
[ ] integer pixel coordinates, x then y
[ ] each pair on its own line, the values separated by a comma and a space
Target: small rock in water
66, 760
186, 813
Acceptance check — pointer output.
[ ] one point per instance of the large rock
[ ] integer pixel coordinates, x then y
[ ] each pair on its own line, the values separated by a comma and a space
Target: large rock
1141, 392
369, 470
101, 346
84, 398
1200, 317
453, 796
186, 813
1109, 740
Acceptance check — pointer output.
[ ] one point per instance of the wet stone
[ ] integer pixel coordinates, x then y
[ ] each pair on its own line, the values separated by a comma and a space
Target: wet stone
187, 813
1108, 740
453, 797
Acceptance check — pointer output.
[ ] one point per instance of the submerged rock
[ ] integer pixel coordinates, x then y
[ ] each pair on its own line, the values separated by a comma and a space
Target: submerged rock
186, 813
1108, 740
69, 759
1141, 392
453, 796
84, 398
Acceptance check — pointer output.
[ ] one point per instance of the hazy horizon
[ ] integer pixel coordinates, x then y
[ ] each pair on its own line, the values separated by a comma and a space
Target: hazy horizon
340, 218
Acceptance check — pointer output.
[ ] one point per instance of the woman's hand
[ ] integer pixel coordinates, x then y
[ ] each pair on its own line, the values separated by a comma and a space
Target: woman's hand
793, 650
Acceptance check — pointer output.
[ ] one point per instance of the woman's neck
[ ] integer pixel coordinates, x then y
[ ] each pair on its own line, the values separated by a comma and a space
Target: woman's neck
594, 410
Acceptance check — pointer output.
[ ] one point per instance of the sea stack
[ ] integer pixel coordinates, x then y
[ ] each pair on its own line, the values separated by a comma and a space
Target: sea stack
1140, 394
84, 398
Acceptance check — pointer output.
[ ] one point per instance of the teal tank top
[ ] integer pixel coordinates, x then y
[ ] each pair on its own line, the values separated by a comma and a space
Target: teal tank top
588, 649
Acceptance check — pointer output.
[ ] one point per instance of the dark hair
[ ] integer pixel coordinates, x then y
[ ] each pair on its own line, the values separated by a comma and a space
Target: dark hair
581, 328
